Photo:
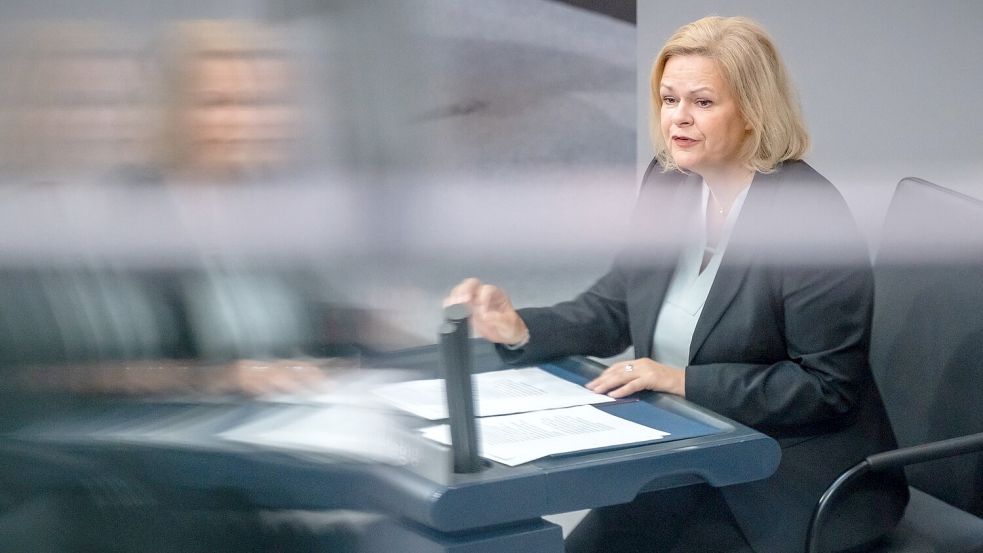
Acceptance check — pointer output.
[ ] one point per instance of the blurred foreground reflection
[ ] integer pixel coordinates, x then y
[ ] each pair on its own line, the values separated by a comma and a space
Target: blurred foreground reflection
215, 232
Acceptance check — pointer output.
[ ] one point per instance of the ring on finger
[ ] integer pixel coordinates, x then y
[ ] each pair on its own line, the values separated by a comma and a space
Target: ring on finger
629, 367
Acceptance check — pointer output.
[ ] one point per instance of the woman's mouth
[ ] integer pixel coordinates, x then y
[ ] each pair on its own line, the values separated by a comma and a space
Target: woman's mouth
683, 141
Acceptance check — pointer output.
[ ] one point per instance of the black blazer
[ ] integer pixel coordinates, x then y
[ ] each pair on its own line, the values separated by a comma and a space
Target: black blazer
781, 344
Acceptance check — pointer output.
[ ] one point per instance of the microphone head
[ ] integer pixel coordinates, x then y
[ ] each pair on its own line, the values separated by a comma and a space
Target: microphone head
457, 312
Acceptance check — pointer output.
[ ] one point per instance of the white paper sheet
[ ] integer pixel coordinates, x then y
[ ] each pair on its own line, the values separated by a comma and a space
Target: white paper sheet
363, 434
496, 393
523, 437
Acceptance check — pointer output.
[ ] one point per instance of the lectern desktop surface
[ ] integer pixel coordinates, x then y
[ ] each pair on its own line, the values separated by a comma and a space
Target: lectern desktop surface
432, 509
703, 447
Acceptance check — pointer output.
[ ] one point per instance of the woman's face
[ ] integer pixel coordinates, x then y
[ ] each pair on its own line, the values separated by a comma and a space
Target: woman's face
701, 123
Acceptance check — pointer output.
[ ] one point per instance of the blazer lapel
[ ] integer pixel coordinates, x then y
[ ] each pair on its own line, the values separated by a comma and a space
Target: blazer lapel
657, 262
737, 258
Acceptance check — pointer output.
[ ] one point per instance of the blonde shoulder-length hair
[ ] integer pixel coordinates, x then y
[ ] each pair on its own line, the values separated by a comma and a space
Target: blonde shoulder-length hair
750, 64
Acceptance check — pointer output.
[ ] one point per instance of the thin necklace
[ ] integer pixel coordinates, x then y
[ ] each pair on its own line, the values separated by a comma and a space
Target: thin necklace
720, 206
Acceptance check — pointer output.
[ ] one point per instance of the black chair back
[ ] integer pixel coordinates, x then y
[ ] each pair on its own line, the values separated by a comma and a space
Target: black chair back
927, 340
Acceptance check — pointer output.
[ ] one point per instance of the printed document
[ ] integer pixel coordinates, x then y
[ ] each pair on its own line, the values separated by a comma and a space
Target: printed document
496, 393
520, 438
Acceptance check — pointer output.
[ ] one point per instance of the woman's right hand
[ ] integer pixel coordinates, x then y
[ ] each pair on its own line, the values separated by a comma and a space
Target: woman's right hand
492, 315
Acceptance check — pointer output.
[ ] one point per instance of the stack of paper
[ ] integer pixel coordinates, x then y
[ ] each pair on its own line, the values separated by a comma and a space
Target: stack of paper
523, 437
496, 393
539, 414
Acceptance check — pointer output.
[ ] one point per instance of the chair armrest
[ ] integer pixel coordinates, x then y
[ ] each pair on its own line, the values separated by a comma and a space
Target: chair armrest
885, 461
926, 452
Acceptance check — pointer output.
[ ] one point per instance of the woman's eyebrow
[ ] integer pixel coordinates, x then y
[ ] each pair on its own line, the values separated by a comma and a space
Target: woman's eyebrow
670, 88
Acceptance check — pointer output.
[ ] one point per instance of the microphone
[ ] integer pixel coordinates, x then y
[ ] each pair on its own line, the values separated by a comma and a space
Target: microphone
455, 346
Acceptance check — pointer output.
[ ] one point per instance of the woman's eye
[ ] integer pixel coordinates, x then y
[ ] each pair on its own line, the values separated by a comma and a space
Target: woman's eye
704, 103
668, 100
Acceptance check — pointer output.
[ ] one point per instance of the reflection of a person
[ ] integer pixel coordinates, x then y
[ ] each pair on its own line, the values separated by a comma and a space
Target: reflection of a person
82, 101
77, 336
775, 343
233, 98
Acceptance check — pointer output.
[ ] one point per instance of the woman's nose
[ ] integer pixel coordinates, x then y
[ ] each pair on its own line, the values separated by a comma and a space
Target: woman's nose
681, 116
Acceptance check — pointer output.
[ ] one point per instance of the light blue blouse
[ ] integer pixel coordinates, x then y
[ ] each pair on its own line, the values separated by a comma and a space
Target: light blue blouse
688, 289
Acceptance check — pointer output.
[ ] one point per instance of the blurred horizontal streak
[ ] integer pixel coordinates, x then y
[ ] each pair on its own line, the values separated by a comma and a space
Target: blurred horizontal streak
156, 224
322, 409
162, 225
452, 215
584, 211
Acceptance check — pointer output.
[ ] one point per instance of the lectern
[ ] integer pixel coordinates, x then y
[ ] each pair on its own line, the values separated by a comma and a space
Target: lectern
427, 507
500, 508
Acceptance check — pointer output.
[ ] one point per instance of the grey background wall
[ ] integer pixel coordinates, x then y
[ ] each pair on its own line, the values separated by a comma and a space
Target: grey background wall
890, 88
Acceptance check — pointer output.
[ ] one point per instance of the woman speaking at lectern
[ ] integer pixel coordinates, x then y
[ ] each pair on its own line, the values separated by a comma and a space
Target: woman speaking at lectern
746, 289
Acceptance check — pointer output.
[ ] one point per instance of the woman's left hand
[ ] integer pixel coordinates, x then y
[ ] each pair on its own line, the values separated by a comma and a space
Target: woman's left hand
627, 377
